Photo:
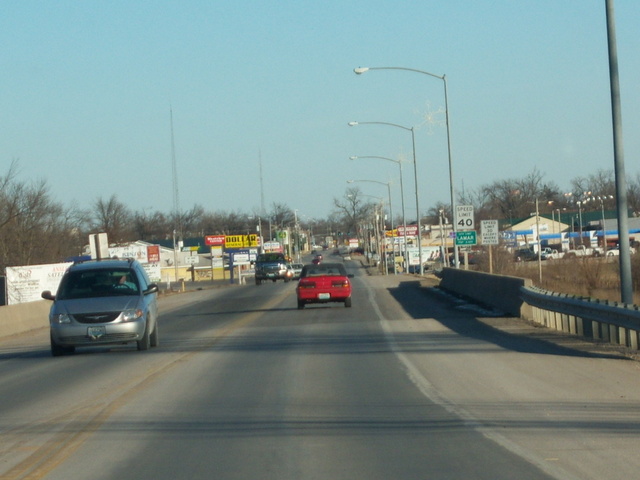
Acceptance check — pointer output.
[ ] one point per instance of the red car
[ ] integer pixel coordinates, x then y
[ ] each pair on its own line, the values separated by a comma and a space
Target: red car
323, 283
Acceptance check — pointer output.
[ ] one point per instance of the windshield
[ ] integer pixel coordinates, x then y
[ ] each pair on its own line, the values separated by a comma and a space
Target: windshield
97, 283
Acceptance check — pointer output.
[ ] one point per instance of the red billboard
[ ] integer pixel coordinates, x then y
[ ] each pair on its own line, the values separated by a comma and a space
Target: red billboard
153, 253
216, 240
412, 230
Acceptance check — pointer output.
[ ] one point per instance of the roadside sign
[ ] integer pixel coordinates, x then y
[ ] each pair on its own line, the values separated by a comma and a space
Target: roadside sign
240, 241
464, 217
243, 256
412, 230
214, 239
489, 232
191, 259
468, 237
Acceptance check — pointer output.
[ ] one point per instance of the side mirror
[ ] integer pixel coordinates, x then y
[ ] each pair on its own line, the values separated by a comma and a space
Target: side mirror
350, 275
152, 288
47, 295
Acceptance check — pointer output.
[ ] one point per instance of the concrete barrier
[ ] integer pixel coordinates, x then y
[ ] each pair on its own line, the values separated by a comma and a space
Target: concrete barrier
497, 291
23, 317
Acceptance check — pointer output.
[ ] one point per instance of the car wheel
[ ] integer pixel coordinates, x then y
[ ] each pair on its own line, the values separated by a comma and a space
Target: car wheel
59, 350
145, 342
258, 281
154, 339
347, 302
300, 304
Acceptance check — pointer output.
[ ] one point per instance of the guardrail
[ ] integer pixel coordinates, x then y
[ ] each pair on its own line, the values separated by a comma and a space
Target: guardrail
604, 320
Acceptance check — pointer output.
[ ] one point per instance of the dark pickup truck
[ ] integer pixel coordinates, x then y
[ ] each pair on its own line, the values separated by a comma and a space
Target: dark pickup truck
272, 266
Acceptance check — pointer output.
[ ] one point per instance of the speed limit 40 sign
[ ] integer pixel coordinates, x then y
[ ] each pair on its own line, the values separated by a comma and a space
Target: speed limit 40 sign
464, 217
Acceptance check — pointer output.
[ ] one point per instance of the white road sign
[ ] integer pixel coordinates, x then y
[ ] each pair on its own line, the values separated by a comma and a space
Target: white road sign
489, 232
464, 217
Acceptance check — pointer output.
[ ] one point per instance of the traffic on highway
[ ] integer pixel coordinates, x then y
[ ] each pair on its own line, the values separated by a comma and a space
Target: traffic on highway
407, 383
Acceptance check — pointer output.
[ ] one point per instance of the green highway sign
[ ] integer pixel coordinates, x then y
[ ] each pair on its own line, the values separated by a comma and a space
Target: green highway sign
467, 237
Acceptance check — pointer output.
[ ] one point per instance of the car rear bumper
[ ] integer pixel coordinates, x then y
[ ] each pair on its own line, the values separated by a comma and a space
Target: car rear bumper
322, 297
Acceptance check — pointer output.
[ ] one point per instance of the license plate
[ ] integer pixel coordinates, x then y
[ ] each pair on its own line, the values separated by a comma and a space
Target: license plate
324, 296
96, 332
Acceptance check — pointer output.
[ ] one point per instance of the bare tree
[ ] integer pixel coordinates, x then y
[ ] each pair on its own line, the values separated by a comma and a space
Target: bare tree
191, 222
113, 218
633, 192
352, 210
151, 226
514, 199
585, 189
34, 229
444, 209
282, 215
9, 189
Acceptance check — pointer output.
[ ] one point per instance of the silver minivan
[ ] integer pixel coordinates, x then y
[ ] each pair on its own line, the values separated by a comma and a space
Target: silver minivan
103, 302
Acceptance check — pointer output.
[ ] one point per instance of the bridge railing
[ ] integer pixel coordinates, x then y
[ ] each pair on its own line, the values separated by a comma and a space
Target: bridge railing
603, 320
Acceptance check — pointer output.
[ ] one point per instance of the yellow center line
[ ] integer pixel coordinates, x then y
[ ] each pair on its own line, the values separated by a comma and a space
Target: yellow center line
71, 430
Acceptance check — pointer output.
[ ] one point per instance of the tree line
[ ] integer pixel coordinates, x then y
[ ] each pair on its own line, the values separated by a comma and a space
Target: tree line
36, 229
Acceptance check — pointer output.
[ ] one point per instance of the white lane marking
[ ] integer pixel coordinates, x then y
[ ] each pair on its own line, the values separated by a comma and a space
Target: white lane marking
431, 393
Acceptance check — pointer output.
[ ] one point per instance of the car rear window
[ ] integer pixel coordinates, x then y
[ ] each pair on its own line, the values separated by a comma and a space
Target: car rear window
324, 270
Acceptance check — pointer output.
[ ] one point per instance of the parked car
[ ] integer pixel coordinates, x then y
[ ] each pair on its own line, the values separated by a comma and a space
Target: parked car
584, 251
528, 255
615, 251
102, 302
323, 283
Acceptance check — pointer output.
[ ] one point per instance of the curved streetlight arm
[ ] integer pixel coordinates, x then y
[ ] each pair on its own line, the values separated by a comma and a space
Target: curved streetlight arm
361, 70
370, 181
353, 124
355, 157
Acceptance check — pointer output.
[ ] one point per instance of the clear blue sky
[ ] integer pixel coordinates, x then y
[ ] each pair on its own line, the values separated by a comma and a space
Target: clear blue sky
87, 89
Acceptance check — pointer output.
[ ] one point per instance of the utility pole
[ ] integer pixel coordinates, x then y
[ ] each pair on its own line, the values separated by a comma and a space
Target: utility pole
626, 282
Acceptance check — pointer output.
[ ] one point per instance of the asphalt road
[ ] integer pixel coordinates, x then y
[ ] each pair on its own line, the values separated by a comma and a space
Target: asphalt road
403, 385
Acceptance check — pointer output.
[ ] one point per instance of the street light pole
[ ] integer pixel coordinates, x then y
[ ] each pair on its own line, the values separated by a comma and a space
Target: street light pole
626, 279
380, 199
415, 172
404, 218
361, 70
539, 243
580, 202
388, 184
604, 230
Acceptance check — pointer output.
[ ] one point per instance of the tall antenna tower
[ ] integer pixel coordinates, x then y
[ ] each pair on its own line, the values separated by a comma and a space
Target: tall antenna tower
174, 171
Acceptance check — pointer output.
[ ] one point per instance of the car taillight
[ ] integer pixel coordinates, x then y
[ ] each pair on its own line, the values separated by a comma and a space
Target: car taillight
341, 284
306, 284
